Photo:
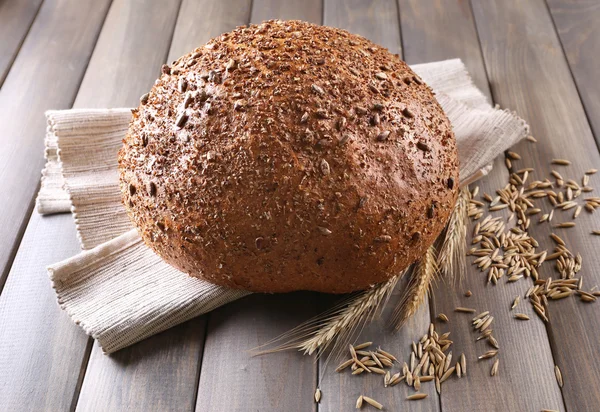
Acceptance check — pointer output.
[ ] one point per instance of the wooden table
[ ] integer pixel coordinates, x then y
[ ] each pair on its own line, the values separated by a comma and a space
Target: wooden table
537, 57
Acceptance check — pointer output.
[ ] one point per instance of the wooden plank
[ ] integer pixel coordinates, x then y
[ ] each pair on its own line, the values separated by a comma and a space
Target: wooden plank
45, 74
128, 56
377, 20
157, 374
529, 74
16, 18
231, 380
307, 10
577, 23
435, 31
160, 372
217, 17
41, 350
41, 371
341, 390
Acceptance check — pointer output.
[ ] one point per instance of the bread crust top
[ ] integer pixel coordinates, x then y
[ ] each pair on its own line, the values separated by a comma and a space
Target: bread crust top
289, 156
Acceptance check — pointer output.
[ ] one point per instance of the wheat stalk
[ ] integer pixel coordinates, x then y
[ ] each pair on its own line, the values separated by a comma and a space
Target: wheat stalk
451, 258
415, 292
338, 326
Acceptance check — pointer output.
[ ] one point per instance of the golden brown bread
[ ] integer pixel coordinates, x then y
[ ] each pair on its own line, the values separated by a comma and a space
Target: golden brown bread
289, 156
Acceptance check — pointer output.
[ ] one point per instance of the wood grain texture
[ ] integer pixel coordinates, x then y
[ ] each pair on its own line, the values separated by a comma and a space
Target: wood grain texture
159, 373
16, 18
525, 378
307, 10
341, 390
232, 380
578, 26
43, 356
216, 17
434, 30
529, 74
377, 20
41, 350
128, 56
46, 74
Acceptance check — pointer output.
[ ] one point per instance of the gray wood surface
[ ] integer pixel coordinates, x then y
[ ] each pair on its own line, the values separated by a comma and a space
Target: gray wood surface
541, 60
439, 31
41, 351
141, 369
434, 31
201, 20
578, 25
15, 20
377, 21
231, 380
341, 390
307, 10
128, 56
46, 74
529, 73
159, 373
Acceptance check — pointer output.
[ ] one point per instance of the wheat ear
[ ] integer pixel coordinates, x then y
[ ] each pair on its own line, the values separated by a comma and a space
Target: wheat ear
416, 290
338, 326
451, 259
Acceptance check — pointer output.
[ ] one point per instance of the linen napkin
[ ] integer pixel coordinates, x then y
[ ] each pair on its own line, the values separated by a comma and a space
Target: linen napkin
117, 289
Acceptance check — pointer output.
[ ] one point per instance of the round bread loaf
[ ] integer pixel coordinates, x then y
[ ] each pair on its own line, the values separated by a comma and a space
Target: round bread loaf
289, 156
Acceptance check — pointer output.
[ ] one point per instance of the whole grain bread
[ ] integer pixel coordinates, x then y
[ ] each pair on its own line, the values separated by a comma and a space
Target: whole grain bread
289, 156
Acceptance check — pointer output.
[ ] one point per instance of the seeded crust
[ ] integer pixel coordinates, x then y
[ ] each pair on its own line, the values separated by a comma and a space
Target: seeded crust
288, 156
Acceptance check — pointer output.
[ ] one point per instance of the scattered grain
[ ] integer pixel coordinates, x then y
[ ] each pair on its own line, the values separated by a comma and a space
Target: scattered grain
494, 370
344, 365
443, 317
565, 225
416, 396
363, 345
488, 354
372, 402
318, 395
558, 375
